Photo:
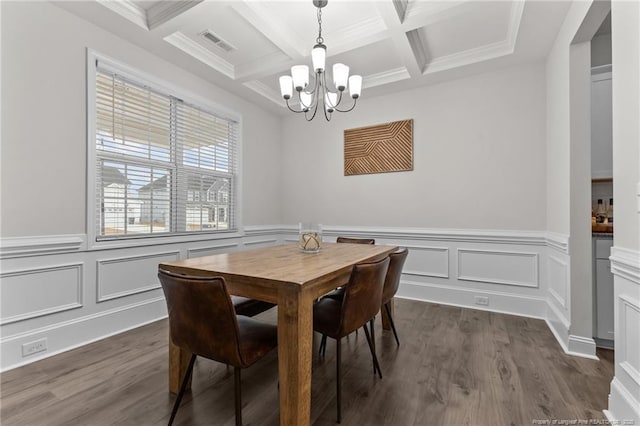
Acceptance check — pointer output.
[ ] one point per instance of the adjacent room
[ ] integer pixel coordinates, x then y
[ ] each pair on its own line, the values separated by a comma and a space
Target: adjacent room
312, 212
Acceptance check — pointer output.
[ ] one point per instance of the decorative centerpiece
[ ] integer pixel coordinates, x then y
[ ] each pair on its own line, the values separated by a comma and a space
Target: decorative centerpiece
310, 237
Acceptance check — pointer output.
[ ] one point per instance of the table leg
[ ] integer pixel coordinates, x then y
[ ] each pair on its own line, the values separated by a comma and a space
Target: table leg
178, 363
385, 319
295, 338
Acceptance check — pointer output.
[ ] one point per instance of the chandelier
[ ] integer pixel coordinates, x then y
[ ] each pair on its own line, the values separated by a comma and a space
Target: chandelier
310, 96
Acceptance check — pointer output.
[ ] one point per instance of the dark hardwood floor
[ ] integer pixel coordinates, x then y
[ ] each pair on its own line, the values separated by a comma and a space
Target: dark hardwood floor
454, 367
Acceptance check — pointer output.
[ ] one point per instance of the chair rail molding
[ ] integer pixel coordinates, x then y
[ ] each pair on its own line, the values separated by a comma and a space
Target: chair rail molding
41, 245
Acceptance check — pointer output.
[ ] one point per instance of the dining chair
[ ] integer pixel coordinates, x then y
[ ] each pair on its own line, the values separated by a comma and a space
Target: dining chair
338, 293
339, 318
391, 284
203, 321
350, 240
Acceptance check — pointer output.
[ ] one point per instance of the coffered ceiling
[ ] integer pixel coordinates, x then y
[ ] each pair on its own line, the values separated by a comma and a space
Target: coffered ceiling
245, 45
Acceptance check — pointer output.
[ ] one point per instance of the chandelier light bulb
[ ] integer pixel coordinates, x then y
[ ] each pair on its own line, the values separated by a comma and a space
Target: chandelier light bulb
306, 99
318, 57
300, 75
340, 76
330, 100
355, 86
286, 86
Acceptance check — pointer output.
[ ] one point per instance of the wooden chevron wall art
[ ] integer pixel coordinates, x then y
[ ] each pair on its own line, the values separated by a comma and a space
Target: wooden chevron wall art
379, 149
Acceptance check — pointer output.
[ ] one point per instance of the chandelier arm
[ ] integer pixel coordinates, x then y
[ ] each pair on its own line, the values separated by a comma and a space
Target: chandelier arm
315, 110
291, 109
355, 100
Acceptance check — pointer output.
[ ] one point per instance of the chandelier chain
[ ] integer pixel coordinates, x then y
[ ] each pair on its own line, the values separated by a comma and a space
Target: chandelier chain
319, 40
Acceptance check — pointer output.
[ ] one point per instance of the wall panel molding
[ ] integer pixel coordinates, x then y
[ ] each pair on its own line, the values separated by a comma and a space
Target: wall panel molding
51, 289
558, 279
473, 265
113, 272
209, 250
435, 262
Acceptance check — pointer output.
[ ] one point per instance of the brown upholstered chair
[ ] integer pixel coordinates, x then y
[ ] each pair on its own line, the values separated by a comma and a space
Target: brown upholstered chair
391, 283
355, 240
339, 318
202, 320
338, 293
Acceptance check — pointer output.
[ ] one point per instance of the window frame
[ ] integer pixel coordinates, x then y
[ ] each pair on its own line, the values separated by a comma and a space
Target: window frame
94, 240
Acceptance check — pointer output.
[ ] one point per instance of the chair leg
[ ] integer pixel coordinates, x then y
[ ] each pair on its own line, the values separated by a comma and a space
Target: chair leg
238, 395
373, 338
183, 387
323, 345
393, 326
373, 352
339, 378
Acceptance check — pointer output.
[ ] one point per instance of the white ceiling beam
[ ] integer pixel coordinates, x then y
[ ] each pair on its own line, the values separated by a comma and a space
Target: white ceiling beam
276, 32
190, 47
128, 10
396, 33
163, 12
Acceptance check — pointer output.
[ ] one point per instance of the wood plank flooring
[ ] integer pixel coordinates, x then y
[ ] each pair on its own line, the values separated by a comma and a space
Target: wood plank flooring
454, 367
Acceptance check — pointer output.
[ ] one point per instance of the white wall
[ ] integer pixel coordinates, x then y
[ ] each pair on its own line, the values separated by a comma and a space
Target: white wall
624, 400
479, 158
601, 50
44, 131
568, 179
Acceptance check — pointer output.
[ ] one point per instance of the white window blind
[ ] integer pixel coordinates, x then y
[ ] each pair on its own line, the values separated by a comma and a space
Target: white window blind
163, 166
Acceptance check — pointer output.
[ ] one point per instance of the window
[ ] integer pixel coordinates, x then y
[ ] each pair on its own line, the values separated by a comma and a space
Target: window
162, 165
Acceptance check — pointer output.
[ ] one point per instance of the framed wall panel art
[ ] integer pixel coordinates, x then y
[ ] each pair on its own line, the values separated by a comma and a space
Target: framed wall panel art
381, 148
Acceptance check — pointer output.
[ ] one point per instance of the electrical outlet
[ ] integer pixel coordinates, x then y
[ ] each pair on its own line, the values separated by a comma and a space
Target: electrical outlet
482, 300
34, 347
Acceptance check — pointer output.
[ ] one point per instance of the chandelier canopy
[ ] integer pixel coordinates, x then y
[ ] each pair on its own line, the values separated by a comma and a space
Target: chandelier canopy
310, 96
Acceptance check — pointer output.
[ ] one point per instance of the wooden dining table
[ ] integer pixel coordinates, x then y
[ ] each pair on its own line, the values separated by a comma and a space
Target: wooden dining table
294, 280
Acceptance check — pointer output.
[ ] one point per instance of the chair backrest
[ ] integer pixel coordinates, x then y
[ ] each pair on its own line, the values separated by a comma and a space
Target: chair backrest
362, 295
355, 240
392, 280
201, 316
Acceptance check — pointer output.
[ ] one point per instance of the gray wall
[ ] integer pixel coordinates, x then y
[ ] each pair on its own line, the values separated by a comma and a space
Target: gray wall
479, 158
44, 132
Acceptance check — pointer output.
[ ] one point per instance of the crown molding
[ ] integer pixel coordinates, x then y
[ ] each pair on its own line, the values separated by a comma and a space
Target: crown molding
165, 11
201, 53
128, 10
265, 91
385, 77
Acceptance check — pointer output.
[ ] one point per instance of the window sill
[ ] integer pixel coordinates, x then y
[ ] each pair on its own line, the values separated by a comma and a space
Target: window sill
145, 241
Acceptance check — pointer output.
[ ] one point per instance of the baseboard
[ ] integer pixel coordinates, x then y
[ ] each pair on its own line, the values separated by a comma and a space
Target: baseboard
68, 335
504, 303
584, 347
624, 409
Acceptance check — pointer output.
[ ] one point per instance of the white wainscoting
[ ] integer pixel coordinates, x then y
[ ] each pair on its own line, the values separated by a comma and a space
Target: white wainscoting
453, 266
116, 275
522, 273
558, 279
624, 398
55, 288
51, 289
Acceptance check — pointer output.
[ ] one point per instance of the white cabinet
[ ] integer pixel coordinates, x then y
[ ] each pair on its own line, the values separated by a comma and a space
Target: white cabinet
601, 127
603, 280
